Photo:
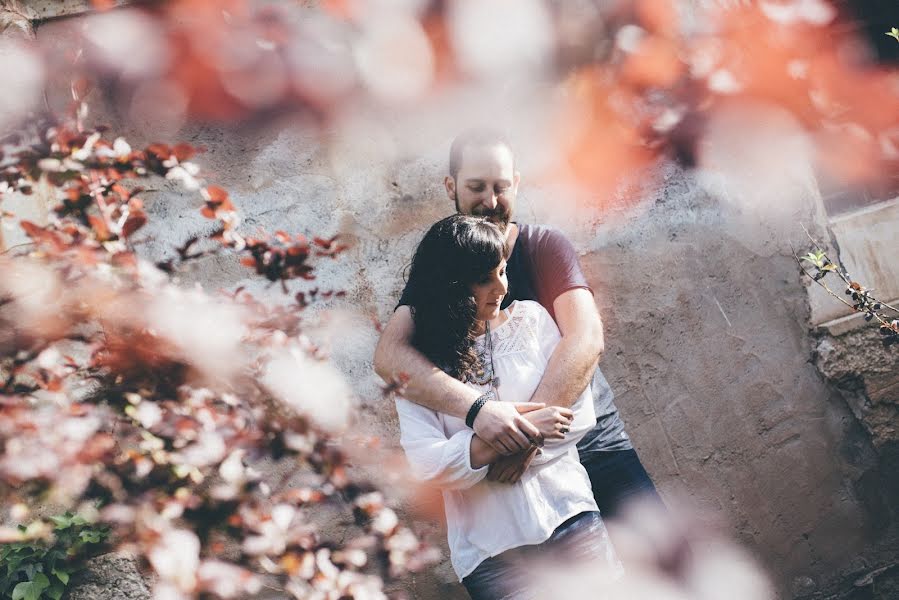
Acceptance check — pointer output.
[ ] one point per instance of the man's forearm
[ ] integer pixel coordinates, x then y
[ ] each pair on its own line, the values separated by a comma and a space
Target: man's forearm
568, 372
426, 384
499, 424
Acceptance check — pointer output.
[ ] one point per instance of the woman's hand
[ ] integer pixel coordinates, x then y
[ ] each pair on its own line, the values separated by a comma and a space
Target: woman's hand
552, 421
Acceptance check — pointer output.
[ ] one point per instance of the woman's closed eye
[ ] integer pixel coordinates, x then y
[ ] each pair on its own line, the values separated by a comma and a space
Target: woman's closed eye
486, 279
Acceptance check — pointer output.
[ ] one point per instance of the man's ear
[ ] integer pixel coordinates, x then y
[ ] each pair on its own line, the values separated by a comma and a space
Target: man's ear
450, 184
516, 179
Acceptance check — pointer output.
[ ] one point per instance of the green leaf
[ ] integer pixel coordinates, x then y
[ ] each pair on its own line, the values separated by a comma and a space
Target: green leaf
894, 33
56, 591
19, 591
63, 576
78, 520
61, 521
31, 590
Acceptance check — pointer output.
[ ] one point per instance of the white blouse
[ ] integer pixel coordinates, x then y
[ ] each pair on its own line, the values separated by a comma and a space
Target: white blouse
485, 518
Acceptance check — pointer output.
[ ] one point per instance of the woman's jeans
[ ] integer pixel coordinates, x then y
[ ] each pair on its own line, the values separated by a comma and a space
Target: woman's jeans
581, 538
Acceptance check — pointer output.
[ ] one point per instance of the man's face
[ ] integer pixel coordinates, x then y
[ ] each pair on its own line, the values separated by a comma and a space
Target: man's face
486, 184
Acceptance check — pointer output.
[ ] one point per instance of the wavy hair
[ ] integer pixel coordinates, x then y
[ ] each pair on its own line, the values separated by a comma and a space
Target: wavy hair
455, 253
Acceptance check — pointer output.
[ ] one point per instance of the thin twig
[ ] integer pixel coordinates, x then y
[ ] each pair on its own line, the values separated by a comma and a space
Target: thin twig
840, 271
17, 246
880, 319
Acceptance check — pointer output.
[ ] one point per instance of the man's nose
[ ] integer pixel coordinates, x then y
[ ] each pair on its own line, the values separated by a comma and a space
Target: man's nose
490, 201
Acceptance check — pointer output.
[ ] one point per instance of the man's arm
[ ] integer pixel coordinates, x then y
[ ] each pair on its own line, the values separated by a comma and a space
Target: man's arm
574, 360
569, 370
499, 424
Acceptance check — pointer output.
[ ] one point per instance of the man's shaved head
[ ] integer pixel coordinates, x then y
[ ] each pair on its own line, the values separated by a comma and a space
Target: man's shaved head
474, 137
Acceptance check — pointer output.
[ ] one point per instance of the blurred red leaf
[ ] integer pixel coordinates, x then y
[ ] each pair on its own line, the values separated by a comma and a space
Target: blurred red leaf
136, 219
184, 151
161, 151
101, 230
102, 5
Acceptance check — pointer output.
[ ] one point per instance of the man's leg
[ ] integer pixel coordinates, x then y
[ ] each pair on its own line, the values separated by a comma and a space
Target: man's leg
618, 477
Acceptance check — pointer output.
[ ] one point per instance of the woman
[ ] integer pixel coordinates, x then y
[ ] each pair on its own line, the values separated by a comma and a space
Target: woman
458, 278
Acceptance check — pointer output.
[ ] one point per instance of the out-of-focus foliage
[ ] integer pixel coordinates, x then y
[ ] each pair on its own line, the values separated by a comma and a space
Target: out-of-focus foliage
36, 570
121, 390
624, 82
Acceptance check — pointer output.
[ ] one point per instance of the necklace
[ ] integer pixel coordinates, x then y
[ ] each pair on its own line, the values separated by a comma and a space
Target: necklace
485, 376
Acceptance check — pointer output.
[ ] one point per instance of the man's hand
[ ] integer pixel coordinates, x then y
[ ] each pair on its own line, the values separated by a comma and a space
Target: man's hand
552, 421
503, 426
509, 469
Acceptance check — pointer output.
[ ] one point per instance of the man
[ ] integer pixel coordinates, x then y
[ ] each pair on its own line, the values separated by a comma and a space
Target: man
542, 266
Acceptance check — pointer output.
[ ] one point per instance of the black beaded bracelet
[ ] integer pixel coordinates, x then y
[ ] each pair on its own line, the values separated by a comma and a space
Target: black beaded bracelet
476, 408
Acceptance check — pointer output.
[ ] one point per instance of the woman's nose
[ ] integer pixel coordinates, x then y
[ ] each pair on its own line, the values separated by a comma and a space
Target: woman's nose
502, 286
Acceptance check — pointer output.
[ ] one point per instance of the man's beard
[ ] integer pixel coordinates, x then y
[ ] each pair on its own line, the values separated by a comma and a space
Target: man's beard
499, 216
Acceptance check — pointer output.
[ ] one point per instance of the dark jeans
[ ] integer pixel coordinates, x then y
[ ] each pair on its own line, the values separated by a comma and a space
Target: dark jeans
505, 576
618, 477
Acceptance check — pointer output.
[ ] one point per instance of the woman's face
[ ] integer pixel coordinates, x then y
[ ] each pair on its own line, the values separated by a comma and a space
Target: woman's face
489, 292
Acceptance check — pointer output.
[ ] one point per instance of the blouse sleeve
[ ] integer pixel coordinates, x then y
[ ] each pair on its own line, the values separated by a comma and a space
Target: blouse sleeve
548, 337
445, 462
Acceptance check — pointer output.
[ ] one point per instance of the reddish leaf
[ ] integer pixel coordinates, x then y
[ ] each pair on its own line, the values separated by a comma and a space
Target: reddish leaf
102, 5
135, 221
161, 151
124, 259
119, 189
216, 194
101, 230
183, 151
323, 242
33, 231
296, 255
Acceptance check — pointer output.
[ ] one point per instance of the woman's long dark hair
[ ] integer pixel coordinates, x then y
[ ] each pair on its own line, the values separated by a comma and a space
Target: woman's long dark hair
457, 252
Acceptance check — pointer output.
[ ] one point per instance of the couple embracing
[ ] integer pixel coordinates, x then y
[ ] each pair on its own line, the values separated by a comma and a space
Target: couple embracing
504, 407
